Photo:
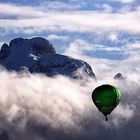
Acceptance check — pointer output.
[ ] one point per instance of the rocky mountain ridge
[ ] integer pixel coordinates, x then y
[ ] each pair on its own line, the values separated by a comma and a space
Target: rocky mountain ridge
38, 55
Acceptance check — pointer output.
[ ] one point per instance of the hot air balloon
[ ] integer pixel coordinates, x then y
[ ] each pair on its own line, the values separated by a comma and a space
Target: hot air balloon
106, 98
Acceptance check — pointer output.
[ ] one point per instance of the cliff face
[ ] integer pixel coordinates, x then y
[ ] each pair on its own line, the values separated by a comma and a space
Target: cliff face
38, 55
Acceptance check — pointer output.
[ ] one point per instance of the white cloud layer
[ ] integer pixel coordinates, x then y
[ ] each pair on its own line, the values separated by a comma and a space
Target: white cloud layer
124, 1
79, 47
52, 37
74, 21
37, 107
14, 10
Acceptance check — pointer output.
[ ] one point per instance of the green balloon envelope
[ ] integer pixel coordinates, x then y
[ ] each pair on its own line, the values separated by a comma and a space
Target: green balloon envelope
106, 98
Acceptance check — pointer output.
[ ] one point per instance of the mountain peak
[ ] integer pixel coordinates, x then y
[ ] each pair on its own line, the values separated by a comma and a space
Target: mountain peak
118, 76
38, 55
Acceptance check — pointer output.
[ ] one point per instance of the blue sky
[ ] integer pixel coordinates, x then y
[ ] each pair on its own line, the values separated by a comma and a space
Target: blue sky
104, 30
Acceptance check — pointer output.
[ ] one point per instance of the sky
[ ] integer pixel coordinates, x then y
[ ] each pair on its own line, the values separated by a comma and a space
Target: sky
105, 30
106, 34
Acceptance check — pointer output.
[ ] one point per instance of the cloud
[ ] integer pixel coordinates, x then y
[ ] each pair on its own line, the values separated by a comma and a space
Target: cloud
37, 107
38, 20
62, 5
113, 37
107, 7
40, 102
10, 10
124, 1
104, 7
135, 45
80, 47
132, 48
57, 37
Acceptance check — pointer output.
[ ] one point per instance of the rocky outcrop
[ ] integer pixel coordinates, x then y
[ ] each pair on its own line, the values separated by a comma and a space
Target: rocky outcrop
118, 76
5, 51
